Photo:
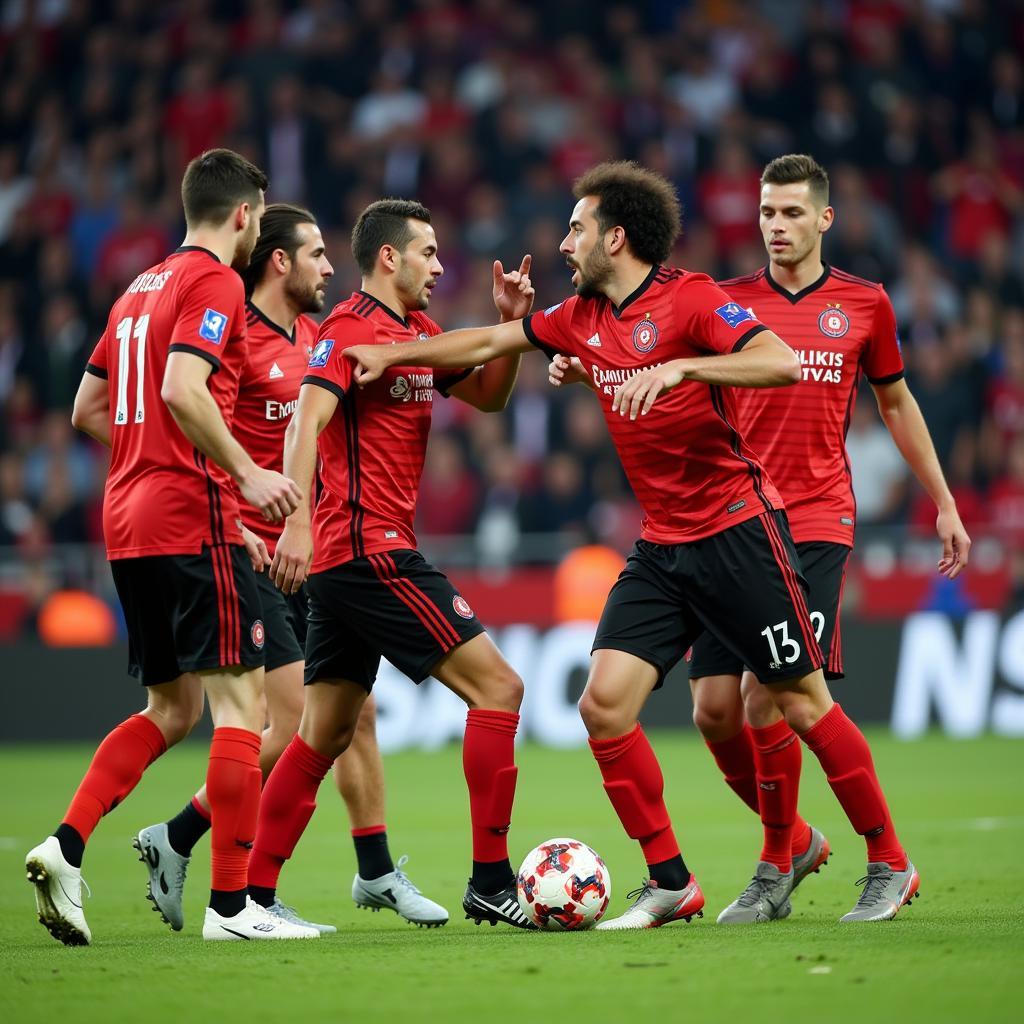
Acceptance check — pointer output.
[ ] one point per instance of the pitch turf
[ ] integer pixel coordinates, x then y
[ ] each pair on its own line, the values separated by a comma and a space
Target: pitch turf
955, 954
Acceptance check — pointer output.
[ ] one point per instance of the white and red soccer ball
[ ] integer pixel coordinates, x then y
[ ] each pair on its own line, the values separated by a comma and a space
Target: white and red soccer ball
564, 885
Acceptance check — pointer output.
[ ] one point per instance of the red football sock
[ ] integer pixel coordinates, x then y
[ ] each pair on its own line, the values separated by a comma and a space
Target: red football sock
116, 768
635, 786
488, 761
289, 799
846, 759
735, 760
233, 789
777, 756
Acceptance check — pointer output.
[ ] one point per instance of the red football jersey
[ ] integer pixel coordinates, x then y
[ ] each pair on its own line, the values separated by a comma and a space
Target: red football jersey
371, 452
842, 327
689, 466
267, 396
163, 497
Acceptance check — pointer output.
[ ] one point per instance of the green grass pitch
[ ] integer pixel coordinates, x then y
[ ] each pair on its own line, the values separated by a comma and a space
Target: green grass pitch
955, 954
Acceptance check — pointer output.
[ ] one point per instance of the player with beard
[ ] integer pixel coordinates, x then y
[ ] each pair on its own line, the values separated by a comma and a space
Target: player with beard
844, 329
160, 389
664, 349
370, 592
286, 279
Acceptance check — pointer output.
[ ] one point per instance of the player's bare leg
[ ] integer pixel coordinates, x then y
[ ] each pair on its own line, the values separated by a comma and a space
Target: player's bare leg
616, 691
54, 866
493, 692
891, 880
379, 883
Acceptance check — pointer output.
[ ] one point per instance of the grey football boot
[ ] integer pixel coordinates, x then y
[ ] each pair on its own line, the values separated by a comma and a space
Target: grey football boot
885, 891
766, 897
167, 869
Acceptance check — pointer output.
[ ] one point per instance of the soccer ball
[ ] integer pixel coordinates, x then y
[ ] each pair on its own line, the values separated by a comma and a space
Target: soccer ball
564, 885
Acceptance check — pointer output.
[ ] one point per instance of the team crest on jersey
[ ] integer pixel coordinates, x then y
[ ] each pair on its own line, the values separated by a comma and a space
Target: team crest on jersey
833, 322
461, 606
320, 355
734, 314
645, 334
212, 326
259, 635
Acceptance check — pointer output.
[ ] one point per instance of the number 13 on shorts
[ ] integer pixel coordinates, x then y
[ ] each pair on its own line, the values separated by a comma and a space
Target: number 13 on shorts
784, 649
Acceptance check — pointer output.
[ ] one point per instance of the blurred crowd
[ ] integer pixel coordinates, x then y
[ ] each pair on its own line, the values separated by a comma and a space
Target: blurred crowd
486, 111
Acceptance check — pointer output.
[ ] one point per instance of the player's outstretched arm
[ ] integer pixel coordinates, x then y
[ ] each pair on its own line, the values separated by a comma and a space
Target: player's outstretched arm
185, 393
488, 387
902, 416
766, 361
91, 412
294, 552
454, 349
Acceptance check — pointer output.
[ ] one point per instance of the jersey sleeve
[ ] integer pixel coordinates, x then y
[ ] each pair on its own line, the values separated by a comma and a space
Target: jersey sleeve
551, 331
883, 357
711, 320
328, 368
211, 316
97, 364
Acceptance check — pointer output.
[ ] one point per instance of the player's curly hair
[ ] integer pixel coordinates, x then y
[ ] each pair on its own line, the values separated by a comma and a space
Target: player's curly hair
385, 222
277, 231
644, 204
215, 183
796, 168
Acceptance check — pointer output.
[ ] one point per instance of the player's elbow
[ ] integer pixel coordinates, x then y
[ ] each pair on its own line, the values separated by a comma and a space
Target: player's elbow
789, 369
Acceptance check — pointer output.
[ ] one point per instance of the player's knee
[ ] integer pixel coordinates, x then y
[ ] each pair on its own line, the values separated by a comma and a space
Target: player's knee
602, 718
759, 707
717, 722
367, 724
503, 690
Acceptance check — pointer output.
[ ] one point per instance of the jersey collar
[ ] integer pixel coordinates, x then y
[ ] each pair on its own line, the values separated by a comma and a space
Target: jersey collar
637, 292
260, 315
795, 297
384, 309
196, 248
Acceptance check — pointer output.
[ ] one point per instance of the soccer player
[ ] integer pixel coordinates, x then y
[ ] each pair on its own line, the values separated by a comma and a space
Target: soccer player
712, 518
159, 390
370, 593
286, 278
844, 329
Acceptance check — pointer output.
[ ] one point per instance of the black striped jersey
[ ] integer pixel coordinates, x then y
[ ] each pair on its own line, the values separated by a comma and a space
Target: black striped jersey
843, 328
370, 454
688, 464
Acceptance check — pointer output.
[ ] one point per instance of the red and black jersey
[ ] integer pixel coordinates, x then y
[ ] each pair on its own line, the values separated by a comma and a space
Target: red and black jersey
268, 393
842, 327
163, 497
690, 468
371, 452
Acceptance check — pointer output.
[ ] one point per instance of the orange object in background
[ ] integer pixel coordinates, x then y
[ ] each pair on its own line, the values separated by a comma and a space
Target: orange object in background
75, 618
582, 581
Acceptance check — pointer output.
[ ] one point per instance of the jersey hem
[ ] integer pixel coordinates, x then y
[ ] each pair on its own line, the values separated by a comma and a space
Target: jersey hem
702, 534
890, 379
196, 548
752, 333
370, 549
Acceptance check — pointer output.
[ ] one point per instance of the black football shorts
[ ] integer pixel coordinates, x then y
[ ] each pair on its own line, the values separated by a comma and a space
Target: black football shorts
742, 585
393, 604
284, 617
186, 613
824, 567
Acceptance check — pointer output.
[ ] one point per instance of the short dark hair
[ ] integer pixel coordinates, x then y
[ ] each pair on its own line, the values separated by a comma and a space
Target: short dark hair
277, 231
795, 168
640, 201
215, 183
385, 222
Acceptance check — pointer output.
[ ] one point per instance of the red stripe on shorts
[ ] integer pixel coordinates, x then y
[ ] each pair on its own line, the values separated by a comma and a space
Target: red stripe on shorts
803, 616
385, 568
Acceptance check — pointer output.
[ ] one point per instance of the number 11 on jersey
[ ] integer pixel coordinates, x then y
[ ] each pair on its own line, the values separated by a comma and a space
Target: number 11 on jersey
124, 335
